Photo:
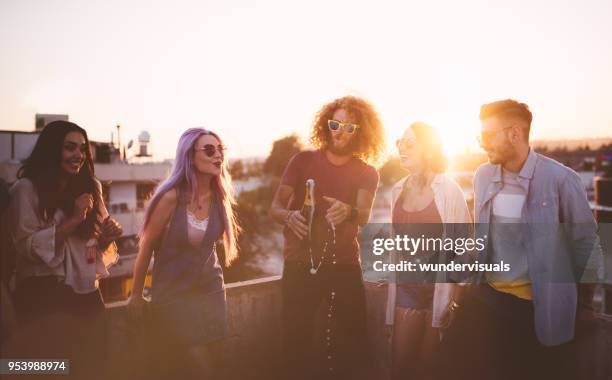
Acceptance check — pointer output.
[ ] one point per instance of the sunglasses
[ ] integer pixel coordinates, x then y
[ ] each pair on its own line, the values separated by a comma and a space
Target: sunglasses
335, 125
210, 149
403, 145
486, 136
404, 157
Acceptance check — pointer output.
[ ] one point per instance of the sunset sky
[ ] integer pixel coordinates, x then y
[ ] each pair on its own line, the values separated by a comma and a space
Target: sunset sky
255, 71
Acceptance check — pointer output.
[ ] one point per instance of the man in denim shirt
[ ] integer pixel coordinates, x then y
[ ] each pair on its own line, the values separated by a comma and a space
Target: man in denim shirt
535, 214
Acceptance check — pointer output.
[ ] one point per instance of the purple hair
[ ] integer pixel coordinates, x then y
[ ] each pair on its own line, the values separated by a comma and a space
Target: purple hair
183, 175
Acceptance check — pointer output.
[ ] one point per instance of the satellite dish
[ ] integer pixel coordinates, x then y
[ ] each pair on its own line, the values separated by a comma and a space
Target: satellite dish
143, 144
130, 143
144, 137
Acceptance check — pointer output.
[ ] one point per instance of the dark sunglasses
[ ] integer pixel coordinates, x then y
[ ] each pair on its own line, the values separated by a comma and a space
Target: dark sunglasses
335, 125
210, 149
407, 145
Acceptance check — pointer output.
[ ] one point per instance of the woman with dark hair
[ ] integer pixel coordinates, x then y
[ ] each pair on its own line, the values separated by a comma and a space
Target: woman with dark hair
425, 203
7, 266
188, 214
64, 242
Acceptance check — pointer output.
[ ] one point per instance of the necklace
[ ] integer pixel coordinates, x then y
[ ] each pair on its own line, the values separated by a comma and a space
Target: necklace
197, 206
314, 270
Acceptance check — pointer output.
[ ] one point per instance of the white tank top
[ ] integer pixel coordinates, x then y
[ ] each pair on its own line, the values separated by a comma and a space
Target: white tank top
196, 228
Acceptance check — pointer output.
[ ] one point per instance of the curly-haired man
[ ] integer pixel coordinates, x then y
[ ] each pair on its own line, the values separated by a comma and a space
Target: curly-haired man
326, 272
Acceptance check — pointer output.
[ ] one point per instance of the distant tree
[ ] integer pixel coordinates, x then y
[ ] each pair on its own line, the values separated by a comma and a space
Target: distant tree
257, 235
282, 151
237, 170
391, 172
259, 242
254, 169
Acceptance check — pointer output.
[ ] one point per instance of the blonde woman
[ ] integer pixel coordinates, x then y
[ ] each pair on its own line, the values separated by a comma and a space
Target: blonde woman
426, 202
189, 214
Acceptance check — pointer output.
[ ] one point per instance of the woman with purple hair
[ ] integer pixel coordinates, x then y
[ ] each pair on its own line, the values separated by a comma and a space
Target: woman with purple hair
187, 215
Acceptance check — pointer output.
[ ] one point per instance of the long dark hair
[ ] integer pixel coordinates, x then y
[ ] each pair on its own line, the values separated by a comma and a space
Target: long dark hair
42, 167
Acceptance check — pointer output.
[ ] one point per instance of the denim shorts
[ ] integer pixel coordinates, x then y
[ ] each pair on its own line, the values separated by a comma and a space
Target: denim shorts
415, 296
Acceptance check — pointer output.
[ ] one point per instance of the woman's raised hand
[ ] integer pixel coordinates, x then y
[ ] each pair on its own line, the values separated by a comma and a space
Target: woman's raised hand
82, 205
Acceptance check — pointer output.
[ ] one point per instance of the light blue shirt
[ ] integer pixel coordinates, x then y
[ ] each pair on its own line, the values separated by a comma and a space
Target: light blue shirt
560, 237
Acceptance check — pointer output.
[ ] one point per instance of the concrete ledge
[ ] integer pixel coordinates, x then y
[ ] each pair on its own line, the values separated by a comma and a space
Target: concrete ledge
253, 349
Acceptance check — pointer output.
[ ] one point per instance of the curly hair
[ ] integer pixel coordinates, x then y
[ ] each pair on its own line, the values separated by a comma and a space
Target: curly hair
369, 142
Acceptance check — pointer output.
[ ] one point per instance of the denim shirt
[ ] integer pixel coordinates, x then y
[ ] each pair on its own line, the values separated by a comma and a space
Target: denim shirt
560, 232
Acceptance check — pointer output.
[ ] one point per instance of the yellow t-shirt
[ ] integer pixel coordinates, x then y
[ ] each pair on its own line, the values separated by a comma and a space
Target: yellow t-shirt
520, 289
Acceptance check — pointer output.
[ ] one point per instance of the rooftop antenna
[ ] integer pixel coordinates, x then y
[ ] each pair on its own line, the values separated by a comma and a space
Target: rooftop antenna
119, 136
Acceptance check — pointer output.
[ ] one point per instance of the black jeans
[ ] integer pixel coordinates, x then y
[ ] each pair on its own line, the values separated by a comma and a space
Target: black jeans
493, 337
324, 322
56, 322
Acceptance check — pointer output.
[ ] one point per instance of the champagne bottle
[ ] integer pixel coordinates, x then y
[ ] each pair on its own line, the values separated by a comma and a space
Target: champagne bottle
308, 208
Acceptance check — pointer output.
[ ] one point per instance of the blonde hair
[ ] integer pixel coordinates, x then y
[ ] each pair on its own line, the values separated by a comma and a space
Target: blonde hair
430, 142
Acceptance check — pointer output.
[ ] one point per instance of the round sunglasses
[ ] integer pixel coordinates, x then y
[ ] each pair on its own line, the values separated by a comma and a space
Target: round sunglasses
210, 149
